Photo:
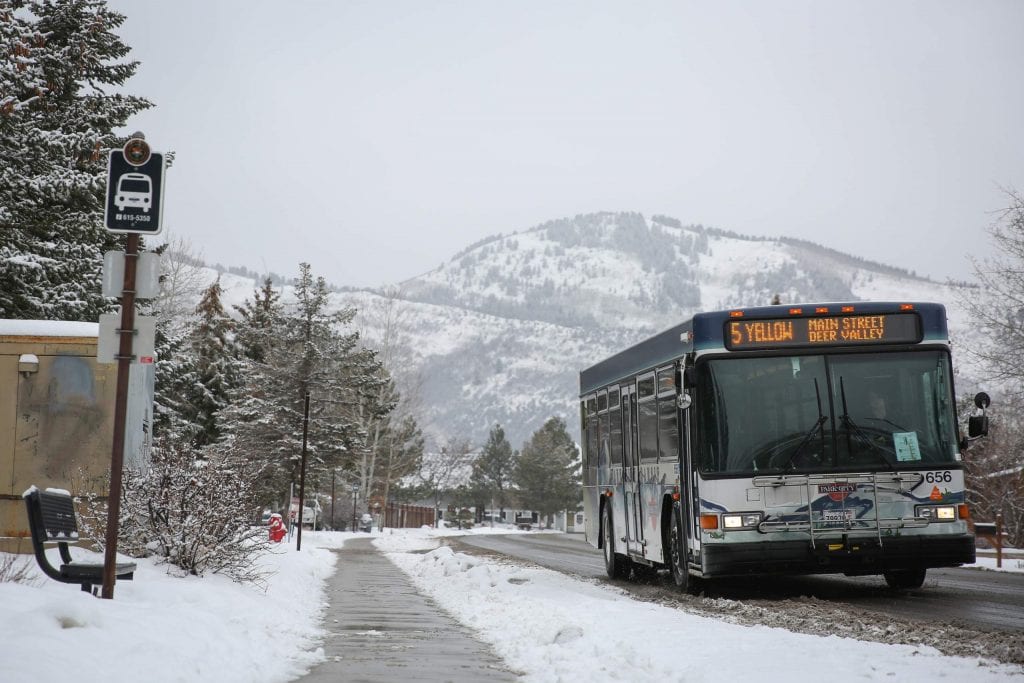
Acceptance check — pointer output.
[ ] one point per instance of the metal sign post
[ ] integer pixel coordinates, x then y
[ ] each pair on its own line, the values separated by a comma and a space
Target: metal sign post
133, 206
124, 359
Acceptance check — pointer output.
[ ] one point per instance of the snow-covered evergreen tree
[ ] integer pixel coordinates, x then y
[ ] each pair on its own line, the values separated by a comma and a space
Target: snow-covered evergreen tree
548, 470
294, 350
176, 373
176, 365
260, 318
57, 124
218, 368
491, 479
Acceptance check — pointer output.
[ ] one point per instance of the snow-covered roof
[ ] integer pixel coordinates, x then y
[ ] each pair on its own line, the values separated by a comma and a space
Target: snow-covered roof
47, 328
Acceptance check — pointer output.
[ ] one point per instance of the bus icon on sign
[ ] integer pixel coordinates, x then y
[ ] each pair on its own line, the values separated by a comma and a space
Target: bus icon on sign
135, 191
134, 197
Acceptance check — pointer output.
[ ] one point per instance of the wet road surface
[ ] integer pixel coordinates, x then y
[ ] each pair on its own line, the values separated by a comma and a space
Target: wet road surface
982, 599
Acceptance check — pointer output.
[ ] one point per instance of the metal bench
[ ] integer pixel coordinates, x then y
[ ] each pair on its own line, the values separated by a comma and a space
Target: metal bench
51, 520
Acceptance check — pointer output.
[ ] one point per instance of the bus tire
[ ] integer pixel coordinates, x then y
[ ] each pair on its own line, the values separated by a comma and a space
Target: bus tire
616, 565
677, 563
905, 578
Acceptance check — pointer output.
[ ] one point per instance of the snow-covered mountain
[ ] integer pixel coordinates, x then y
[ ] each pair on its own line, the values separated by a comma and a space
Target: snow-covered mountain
500, 332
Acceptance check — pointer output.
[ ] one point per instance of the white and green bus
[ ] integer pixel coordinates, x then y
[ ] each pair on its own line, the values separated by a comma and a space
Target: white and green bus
818, 438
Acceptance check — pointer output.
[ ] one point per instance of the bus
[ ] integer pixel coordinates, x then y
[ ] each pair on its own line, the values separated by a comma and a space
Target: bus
818, 438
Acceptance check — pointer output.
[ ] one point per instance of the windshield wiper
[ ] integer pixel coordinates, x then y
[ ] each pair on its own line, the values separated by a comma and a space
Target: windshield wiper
788, 462
852, 427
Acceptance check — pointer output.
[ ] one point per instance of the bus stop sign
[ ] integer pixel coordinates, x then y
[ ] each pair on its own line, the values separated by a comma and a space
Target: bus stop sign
134, 202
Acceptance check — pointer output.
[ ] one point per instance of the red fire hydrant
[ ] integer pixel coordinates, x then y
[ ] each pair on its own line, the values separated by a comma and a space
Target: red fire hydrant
277, 528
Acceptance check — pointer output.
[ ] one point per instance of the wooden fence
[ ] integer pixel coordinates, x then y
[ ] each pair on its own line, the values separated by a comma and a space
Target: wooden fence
399, 516
994, 534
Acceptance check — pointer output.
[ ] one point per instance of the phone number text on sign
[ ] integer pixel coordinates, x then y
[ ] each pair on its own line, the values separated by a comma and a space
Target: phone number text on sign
132, 218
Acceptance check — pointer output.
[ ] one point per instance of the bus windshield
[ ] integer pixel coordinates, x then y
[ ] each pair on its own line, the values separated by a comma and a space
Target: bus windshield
807, 413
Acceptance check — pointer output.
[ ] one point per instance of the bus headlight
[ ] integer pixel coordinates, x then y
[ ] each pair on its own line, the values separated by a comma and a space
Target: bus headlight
937, 513
741, 520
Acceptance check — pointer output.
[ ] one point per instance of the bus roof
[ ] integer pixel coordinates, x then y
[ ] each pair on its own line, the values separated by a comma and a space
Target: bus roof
706, 332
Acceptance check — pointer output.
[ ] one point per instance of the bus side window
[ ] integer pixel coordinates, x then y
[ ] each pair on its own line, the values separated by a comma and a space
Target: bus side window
668, 429
592, 440
602, 436
614, 427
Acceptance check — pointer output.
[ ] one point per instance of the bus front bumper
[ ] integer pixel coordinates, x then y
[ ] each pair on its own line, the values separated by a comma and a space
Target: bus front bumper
836, 555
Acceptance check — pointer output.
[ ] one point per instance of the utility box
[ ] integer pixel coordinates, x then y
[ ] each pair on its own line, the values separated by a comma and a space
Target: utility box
57, 417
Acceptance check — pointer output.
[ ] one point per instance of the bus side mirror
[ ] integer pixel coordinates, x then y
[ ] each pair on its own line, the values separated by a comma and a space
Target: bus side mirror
689, 377
977, 426
684, 400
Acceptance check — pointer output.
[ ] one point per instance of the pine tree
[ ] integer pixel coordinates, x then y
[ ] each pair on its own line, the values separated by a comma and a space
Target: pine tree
176, 373
260, 318
217, 366
176, 370
294, 351
547, 472
491, 479
56, 125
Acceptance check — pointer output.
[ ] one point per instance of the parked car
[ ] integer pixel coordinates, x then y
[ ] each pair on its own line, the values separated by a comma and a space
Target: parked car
310, 514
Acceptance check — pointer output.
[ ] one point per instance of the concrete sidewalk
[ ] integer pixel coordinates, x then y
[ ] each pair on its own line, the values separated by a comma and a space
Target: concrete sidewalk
380, 629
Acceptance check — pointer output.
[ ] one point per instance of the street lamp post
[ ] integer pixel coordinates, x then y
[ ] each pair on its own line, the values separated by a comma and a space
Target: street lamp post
355, 496
302, 473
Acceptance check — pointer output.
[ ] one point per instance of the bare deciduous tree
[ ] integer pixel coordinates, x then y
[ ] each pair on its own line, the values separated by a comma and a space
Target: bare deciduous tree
995, 466
998, 306
182, 282
195, 514
441, 471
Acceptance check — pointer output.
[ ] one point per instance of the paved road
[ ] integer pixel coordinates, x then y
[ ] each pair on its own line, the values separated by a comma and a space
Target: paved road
988, 600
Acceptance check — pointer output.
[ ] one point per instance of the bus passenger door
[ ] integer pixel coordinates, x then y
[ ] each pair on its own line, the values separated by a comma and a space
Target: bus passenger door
631, 473
688, 482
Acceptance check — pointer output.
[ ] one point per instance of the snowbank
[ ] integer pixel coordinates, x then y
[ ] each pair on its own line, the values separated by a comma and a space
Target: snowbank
161, 628
555, 628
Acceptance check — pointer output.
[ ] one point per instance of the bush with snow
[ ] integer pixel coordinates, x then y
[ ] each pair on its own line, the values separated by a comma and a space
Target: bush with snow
195, 514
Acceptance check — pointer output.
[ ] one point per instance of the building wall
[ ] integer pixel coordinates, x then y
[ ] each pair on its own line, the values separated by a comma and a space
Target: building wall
57, 421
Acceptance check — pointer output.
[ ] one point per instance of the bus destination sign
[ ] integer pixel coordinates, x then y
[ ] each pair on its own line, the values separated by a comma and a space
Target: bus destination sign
830, 330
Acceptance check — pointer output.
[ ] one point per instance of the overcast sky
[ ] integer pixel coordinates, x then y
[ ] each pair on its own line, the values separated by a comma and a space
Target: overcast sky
375, 139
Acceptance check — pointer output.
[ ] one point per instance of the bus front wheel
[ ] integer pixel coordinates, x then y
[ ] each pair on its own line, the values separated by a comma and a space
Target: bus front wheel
677, 562
615, 565
905, 578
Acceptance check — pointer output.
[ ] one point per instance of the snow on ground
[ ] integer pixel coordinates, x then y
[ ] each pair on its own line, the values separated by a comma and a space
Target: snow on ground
163, 628
544, 624
555, 628
1013, 561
